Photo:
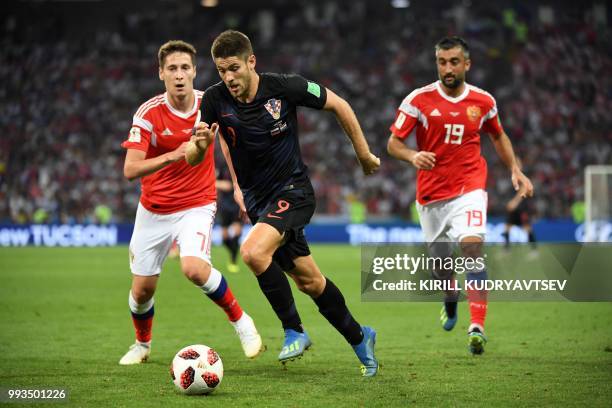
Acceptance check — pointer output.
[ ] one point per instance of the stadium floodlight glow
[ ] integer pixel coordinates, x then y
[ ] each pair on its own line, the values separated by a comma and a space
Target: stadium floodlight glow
209, 3
400, 3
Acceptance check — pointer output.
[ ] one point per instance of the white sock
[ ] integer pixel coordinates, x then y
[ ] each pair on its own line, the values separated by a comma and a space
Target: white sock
213, 282
139, 308
473, 326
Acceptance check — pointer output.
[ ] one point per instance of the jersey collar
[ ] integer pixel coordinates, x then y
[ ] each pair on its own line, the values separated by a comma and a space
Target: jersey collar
450, 98
184, 115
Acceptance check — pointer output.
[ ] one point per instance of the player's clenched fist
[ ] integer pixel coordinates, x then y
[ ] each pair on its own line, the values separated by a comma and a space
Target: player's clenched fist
370, 164
424, 160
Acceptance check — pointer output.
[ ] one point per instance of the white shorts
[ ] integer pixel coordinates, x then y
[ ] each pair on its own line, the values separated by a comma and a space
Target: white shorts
454, 219
154, 233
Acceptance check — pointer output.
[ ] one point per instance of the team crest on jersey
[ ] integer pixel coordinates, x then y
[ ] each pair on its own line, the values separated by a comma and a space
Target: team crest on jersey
473, 113
273, 106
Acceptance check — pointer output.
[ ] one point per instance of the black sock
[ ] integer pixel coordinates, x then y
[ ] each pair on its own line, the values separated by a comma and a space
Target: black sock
275, 285
451, 309
235, 246
232, 246
333, 308
532, 239
506, 236
228, 243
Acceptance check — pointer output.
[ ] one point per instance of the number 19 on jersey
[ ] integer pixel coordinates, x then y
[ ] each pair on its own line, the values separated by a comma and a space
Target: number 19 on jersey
454, 133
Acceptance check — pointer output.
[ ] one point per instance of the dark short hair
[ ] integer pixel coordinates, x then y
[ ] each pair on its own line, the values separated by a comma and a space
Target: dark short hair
231, 43
448, 43
175, 46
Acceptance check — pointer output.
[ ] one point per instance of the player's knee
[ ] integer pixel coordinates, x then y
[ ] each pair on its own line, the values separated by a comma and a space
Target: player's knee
142, 294
196, 272
254, 257
248, 253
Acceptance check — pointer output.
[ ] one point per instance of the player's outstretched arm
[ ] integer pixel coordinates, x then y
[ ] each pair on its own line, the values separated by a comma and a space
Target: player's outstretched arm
199, 143
504, 149
137, 166
421, 160
347, 119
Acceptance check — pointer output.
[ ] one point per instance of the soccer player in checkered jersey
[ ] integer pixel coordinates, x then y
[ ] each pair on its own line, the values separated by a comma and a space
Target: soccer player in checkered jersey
178, 202
256, 114
449, 116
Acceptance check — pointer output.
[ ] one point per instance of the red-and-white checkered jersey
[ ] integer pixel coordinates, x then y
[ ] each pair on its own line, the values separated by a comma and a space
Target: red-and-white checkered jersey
158, 128
448, 127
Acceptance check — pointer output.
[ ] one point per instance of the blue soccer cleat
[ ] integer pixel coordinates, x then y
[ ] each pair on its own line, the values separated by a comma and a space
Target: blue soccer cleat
448, 323
365, 352
476, 342
294, 346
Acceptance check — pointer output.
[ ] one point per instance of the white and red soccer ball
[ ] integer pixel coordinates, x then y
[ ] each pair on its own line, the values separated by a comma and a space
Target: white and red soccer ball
196, 369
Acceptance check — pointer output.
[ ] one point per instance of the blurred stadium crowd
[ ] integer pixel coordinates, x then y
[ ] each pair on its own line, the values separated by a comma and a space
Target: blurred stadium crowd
70, 90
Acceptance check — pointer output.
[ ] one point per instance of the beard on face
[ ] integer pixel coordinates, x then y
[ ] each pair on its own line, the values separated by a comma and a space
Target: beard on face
455, 83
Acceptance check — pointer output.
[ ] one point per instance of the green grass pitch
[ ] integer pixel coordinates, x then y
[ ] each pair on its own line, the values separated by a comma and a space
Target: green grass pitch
64, 322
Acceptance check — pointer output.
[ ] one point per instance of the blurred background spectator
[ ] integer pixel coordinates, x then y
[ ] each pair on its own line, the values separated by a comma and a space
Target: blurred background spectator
74, 73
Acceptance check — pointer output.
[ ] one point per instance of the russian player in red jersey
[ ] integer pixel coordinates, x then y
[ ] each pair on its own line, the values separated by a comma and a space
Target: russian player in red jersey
178, 202
449, 116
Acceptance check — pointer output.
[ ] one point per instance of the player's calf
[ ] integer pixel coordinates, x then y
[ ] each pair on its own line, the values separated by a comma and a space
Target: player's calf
477, 299
312, 285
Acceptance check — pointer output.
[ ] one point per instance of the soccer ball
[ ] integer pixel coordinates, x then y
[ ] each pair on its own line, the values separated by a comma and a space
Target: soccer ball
196, 369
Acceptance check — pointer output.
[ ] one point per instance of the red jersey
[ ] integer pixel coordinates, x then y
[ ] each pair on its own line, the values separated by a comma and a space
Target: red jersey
448, 127
158, 128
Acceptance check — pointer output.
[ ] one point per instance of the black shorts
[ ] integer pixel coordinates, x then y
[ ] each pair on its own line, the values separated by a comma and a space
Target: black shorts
518, 217
289, 213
